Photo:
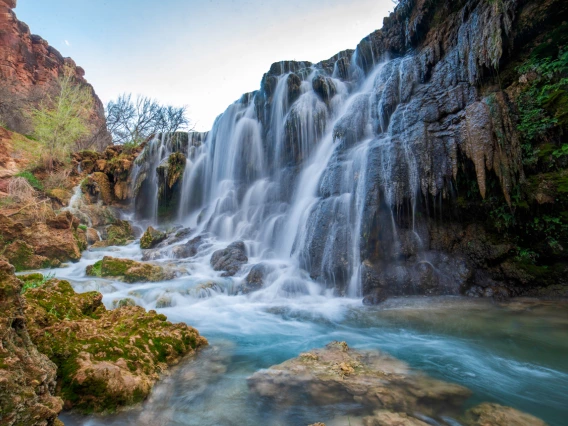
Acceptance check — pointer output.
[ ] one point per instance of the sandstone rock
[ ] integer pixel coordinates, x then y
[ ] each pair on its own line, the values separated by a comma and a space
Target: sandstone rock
488, 414
30, 66
92, 236
152, 238
230, 259
338, 374
40, 245
27, 377
111, 358
388, 418
128, 270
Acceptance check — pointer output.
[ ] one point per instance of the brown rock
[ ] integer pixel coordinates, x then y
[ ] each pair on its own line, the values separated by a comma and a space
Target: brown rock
488, 414
27, 377
92, 236
111, 358
338, 374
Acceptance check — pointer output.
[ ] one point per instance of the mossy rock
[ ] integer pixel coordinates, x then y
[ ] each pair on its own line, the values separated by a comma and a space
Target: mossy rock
151, 238
119, 234
105, 359
128, 270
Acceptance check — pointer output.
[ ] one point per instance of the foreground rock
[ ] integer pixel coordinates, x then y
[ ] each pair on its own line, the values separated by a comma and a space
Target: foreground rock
27, 377
487, 414
338, 374
230, 259
33, 244
106, 359
151, 238
128, 271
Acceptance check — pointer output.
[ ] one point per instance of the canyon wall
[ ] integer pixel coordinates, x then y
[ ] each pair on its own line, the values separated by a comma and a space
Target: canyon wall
29, 68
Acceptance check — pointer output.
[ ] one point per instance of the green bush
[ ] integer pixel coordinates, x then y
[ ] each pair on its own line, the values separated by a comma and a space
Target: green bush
32, 180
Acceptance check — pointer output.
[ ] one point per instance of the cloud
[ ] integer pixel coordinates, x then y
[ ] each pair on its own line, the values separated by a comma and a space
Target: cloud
67, 43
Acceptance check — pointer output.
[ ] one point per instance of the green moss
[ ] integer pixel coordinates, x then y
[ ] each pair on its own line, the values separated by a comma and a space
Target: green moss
95, 270
83, 227
21, 257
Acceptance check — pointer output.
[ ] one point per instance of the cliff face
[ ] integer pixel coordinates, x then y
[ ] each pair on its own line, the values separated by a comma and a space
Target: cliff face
430, 160
29, 68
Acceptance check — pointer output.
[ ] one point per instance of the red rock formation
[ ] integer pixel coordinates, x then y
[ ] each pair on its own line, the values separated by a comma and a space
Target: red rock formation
29, 66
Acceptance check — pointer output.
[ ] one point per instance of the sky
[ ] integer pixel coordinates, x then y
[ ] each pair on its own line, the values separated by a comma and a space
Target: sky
200, 53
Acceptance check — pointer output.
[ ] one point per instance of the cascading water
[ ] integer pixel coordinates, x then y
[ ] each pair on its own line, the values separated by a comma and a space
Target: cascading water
286, 169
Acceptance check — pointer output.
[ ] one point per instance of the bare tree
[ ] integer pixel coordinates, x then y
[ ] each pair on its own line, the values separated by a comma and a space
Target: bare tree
135, 120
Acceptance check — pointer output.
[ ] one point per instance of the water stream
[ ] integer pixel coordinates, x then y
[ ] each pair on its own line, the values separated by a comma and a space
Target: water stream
511, 353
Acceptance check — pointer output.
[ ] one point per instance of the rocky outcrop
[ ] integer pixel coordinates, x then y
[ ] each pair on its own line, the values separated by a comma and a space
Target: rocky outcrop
40, 245
338, 374
27, 377
151, 238
108, 174
229, 259
29, 68
379, 383
498, 415
105, 359
128, 270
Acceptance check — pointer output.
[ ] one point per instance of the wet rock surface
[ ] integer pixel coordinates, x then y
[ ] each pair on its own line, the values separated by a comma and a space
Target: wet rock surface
27, 377
229, 259
151, 238
338, 374
498, 415
105, 359
128, 270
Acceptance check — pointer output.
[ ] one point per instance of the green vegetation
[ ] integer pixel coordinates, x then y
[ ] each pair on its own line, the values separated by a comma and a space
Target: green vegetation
83, 227
61, 122
32, 180
35, 281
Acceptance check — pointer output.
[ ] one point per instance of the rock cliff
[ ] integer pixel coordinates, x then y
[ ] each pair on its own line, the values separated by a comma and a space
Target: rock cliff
29, 68
429, 160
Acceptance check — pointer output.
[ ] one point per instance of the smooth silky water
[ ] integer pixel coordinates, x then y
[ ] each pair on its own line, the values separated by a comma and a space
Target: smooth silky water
512, 353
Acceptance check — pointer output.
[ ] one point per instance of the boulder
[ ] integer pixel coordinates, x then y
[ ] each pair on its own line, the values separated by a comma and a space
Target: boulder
27, 377
106, 359
119, 233
128, 270
188, 249
151, 238
255, 278
92, 236
389, 418
229, 259
340, 375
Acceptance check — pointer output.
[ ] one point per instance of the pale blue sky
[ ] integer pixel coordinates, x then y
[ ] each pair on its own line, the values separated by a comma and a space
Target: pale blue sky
203, 54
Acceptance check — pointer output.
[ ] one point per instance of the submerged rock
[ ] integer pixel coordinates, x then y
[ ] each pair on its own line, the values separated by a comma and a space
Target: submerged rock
128, 270
151, 238
27, 377
230, 259
488, 414
338, 374
106, 359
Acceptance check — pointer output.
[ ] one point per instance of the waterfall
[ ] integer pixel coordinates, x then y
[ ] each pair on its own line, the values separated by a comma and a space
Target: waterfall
300, 169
